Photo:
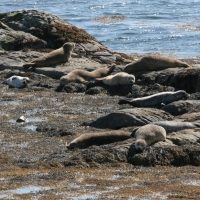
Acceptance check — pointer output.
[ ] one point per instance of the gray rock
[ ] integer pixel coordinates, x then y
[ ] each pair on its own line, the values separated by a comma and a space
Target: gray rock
187, 79
189, 117
182, 106
189, 136
167, 155
130, 117
17, 40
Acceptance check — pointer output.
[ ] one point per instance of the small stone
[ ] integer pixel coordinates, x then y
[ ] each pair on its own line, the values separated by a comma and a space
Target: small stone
21, 119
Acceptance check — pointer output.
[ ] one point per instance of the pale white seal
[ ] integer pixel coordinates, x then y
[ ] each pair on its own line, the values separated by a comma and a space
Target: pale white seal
17, 81
148, 135
121, 78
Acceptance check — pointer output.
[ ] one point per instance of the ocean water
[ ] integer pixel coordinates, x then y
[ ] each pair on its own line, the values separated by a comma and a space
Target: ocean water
130, 26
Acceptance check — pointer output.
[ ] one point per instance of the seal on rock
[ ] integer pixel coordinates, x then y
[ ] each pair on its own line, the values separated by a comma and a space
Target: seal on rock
17, 81
100, 138
58, 56
121, 78
83, 76
174, 126
154, 63
155, 99
148, 135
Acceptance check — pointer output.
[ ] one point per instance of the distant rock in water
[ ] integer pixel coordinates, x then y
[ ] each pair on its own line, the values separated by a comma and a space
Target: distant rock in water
110, 19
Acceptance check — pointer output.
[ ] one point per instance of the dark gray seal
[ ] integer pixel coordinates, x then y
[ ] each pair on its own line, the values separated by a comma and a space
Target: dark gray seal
155, 100
174, 126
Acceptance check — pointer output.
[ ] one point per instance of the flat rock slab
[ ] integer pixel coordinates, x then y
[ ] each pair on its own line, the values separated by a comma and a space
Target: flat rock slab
182, 106
188, 136
130, 117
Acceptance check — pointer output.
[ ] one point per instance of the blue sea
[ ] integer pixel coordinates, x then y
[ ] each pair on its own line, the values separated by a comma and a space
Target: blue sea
130, 26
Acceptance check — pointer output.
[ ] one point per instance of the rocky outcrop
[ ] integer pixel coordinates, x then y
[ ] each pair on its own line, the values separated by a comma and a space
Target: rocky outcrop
187, 79
53, 117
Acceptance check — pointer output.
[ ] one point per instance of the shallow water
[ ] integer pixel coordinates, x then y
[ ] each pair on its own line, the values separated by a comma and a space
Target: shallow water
140, 26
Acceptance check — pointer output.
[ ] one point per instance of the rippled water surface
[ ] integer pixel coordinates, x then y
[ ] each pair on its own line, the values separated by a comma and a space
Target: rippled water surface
133, 26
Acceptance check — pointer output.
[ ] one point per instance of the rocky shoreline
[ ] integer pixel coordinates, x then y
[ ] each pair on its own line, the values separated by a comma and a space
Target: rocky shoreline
57, 115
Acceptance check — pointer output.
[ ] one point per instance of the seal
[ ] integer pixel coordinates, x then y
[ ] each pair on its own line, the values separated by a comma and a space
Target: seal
174, 126
154, 63
121, 78
17, 81
148, 135
100, 138
83, 76
58, 56
155, 100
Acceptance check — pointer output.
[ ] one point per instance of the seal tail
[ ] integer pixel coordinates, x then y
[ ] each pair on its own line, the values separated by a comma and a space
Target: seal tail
124, 101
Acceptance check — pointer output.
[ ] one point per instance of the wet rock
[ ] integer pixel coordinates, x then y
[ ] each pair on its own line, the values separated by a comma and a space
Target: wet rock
168, 155
189, 136
181, 107
130, 117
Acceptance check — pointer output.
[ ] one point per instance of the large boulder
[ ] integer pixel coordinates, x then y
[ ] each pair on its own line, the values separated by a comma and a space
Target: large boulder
182, 106
187, 79
130, 117
168, 155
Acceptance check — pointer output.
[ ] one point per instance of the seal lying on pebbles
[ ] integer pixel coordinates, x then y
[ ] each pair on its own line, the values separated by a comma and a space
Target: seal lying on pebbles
17, 81
88, 139
52, 58
174, 126
154, 63
148, 135
120, 78
155, 99
83, 76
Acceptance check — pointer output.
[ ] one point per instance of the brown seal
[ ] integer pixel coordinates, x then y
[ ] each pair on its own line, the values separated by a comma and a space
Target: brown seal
100, 138
52, 58
154, 63
83, 76
148, 135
